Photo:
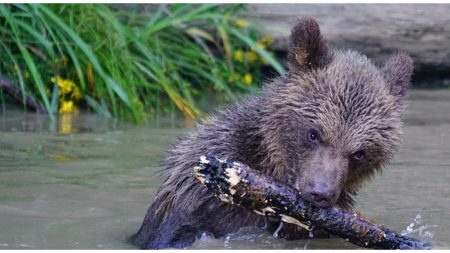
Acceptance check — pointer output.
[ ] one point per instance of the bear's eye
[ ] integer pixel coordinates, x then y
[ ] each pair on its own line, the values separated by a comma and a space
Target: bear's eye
313, 136
359, 155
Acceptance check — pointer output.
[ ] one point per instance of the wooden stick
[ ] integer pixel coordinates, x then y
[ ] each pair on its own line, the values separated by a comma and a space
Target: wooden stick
236, 183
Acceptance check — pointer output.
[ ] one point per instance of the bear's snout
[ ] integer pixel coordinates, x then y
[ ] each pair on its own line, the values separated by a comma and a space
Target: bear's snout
320, 195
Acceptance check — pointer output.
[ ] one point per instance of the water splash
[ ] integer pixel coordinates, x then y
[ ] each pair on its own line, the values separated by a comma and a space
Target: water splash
306, 245
205, 237
275, 234
418, 227
226, 243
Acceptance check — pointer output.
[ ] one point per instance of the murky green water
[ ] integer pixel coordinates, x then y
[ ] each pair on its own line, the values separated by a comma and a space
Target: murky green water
87, 181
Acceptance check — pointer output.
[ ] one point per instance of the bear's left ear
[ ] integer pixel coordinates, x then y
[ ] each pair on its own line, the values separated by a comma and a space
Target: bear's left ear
307, 48
397, 73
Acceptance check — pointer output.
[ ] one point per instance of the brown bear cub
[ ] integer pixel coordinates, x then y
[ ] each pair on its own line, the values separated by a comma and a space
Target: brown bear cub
323, 128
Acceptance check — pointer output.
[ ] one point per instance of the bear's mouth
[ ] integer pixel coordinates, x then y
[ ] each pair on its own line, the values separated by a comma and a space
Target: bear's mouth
317, 199
320, 202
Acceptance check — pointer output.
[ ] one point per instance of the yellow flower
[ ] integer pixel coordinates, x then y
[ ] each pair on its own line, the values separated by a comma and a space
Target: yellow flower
66, 86
27, 75
233, 78
248, 79
241, 23
260, 45
252, 56
67, 107
76, 94
238, 56
267, 40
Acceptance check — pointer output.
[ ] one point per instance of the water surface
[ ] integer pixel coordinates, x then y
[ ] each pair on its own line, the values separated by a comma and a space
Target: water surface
86, 182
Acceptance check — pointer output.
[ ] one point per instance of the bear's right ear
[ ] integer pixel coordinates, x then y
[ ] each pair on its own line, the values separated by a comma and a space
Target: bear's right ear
307, 49
397, 71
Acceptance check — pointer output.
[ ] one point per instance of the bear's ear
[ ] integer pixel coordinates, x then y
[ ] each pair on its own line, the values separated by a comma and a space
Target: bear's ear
397, 73
307, 49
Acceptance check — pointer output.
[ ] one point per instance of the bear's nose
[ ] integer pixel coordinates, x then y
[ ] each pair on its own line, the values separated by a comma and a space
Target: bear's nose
320, 196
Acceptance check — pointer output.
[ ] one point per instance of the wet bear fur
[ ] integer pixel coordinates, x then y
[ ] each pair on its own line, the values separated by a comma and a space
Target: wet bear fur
306, 128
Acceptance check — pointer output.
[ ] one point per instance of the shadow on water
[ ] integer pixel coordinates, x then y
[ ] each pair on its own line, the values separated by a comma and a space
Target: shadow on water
87, 181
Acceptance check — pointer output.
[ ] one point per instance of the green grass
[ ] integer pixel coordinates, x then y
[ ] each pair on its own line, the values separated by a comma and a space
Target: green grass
128, 63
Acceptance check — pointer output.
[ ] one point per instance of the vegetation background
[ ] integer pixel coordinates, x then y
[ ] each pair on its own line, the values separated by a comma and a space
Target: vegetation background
120, 61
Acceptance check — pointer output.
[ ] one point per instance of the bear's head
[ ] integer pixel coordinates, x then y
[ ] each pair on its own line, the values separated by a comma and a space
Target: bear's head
333, 119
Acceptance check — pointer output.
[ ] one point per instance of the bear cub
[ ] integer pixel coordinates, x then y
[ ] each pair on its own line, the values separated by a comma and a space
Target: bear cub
324, 128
